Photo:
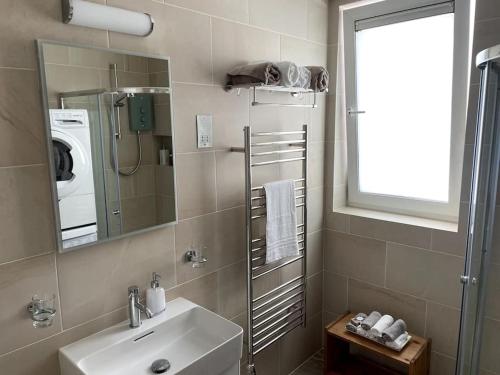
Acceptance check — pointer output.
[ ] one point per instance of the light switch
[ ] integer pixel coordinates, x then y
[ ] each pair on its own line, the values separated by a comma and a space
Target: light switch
204, 130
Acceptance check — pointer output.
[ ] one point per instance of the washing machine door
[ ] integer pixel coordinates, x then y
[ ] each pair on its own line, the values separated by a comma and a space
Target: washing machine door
71, 162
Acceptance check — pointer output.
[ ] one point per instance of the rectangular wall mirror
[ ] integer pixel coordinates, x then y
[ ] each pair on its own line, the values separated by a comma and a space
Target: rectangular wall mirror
110, 141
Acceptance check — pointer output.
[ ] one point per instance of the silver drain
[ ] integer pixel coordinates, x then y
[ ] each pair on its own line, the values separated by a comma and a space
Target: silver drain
160, 366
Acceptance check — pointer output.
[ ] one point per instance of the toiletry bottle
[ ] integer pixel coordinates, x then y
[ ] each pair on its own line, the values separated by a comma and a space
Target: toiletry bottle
155, 296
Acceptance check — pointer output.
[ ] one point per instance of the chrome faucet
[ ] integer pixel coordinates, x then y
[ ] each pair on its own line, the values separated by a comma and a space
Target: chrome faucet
135, 307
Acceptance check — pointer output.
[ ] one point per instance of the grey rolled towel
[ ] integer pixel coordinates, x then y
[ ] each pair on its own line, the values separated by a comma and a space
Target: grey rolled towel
358, 319
351, 327
266, 73
370, 321
319, 78
392, 332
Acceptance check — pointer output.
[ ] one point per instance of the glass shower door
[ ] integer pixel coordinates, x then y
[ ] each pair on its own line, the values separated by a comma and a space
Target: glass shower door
481, 222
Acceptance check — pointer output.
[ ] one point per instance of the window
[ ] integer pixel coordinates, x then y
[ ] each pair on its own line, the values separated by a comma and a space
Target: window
406, 99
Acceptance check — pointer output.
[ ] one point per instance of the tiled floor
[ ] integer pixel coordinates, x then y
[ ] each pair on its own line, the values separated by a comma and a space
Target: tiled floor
313, 366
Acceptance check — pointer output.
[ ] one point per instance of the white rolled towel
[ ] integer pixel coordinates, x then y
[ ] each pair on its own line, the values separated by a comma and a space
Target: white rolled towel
304, 80
289, 73
384, 322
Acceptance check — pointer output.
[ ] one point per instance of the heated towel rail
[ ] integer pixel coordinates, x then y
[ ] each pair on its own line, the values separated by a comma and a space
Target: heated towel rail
277, 312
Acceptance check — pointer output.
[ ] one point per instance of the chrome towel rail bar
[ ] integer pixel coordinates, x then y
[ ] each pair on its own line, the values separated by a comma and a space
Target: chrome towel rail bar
277, 312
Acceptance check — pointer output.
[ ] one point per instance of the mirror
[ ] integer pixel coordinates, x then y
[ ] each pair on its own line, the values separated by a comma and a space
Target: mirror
110, 142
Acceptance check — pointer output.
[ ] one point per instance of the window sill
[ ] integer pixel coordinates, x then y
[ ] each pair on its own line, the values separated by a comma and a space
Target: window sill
397, 218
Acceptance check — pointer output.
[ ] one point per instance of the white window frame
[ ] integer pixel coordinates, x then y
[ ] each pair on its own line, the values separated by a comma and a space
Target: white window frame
392, 11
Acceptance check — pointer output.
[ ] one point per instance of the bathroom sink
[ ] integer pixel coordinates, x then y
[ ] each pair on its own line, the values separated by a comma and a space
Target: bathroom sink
193, 340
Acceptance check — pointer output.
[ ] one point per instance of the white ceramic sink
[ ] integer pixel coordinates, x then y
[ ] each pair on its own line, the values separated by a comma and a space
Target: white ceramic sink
194, 340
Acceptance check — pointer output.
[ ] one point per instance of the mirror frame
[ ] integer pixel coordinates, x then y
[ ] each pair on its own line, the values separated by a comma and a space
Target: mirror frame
48, 137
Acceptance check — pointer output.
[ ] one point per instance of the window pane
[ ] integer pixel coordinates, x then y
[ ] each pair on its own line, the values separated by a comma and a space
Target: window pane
404, 83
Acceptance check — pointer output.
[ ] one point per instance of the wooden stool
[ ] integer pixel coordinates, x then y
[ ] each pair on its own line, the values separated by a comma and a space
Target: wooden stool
414, 358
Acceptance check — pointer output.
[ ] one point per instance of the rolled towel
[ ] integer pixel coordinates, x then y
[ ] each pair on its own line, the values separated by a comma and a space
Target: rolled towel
289, 73
399, 343
383, 323
370, 321
319, 78
360, 331
304, 80
351, 327
358, 319
266, 73
394, 331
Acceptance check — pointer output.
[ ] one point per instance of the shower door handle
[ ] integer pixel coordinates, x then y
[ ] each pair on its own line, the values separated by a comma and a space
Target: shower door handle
464, 279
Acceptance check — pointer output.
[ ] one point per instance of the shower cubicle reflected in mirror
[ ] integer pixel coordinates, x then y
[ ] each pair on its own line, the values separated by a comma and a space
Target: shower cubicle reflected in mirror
110, 138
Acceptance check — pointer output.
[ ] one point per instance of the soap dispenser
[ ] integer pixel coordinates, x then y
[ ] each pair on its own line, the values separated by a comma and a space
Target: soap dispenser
155, 296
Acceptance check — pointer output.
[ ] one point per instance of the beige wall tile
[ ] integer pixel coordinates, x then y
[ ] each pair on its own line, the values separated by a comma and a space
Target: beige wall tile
300, 344
316, 166
174, 36
39, 21
336, 221
317, 129
138, 185
229, 111
314, 294
220, 236
442, 365
425, 274
26, 212
21, 121
230, 179
442, 326
493, 292
267, 362
485, 36
196, 191
234, 10
317, 20
19, 281
70, 78
235, 44
202, 291
231, 282
270, 14
366, 298
302, 52
452, 242
334, 293
314, 253
42, 356
95, 58
486, 10
394, 232
315, 209
115, 265
489, 350
354, 256
138, 213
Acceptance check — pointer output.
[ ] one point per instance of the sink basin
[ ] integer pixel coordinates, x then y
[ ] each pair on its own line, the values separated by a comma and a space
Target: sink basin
193, 339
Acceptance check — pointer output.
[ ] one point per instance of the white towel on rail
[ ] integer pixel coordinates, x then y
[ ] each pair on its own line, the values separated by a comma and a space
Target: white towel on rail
281, 225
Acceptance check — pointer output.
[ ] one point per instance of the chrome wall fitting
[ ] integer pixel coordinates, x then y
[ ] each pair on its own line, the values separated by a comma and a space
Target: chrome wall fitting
196, 258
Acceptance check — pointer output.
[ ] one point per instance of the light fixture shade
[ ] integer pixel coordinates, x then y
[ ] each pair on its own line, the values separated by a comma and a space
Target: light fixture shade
98, 16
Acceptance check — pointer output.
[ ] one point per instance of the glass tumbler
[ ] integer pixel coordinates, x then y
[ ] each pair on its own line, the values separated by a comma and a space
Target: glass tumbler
42, 309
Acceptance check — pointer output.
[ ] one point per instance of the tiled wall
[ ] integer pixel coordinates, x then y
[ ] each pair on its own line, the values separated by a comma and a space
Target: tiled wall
204, 39
404, 270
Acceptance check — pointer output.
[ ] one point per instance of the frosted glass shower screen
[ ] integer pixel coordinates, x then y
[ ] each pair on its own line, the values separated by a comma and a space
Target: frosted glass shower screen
404, 76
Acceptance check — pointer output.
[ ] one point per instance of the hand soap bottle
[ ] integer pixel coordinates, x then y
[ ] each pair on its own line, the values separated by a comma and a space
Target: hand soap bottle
155, 296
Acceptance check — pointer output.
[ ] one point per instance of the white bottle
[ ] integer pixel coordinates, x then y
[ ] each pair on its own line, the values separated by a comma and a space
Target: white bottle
155, 296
